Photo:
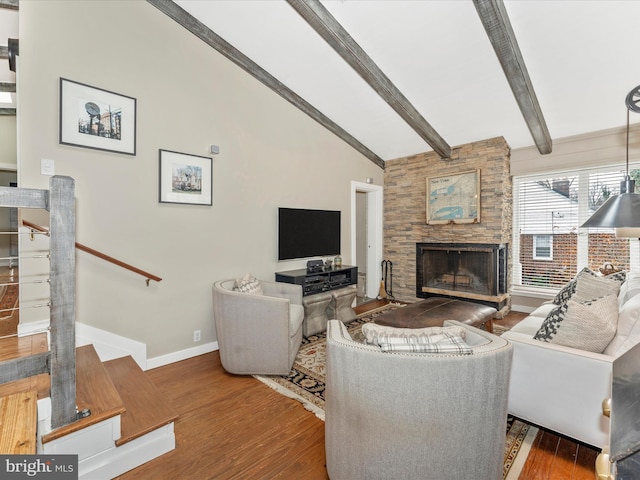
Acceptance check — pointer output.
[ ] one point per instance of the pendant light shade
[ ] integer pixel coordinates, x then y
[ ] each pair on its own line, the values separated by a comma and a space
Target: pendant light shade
618, 211
622, 210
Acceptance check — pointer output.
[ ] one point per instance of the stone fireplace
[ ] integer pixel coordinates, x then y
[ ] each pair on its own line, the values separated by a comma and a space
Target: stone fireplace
405, 223
469, 271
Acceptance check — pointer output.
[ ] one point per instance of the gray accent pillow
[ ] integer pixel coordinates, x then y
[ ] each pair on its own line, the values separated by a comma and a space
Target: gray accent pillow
551, 324
565, 292
590, 325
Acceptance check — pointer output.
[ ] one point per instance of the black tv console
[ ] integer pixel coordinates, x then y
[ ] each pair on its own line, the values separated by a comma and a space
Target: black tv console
330, 278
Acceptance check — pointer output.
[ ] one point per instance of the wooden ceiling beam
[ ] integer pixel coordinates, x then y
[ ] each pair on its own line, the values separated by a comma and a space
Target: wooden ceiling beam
498, 27
204, 33
325, 24
7, 87
9, 4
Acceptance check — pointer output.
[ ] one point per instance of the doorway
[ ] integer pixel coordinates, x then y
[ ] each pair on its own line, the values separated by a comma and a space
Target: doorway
367, 236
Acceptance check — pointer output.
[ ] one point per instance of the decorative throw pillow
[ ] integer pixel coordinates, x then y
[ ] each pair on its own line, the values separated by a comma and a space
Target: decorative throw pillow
569, 289
589, 287
373, 332
589, 325
565, 292
551, 324
248, 284
627, 331
417, 340
620, 276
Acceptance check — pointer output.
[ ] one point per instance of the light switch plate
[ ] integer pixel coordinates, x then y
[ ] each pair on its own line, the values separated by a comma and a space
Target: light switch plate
47, 167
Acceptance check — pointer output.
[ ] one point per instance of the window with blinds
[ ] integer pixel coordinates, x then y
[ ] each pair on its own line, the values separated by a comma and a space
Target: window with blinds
543, 247
549, 247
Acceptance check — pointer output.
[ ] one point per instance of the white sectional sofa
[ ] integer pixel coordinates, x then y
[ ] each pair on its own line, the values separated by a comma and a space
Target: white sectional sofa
562, 388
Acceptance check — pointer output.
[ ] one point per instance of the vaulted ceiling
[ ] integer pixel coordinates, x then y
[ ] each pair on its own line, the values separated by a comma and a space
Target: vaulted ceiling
433, 65
398, 77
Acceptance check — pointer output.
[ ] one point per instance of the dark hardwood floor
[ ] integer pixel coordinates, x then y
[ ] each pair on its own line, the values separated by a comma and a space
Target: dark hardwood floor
235, 427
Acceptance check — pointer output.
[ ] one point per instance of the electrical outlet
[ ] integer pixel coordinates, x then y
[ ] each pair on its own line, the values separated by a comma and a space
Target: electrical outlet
196, 335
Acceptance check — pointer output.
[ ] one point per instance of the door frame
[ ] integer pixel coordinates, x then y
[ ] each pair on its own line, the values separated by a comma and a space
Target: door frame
375, 240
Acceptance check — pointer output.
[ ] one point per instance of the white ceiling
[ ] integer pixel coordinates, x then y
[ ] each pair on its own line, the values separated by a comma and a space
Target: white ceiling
581, 57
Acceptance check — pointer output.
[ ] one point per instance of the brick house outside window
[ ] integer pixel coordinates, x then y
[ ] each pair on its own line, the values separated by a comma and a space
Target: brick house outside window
549, 247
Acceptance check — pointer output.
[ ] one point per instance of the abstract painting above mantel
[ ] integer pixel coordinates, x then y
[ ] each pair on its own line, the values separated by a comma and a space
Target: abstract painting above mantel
95, 118
453, 198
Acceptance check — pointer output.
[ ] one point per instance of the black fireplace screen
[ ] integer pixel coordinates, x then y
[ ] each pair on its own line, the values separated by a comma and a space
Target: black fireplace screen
447, 268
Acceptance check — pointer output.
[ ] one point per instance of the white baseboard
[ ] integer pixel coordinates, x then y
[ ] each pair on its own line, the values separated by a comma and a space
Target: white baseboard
522, 308
31, 328
169, 358
110, 346
118, 460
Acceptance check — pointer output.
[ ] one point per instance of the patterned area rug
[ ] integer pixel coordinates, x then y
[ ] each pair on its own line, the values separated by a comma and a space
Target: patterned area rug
305, 383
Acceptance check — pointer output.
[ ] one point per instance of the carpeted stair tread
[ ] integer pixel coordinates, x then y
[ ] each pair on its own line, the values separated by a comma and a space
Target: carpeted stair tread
18, 417
145, 407
94, 391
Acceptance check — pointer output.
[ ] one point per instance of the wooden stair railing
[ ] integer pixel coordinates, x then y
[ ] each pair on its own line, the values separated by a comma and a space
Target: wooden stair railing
98, 254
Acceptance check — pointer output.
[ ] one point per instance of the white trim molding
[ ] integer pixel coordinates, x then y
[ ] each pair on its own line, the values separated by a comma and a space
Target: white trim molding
595, 149
110, 346
375, 218
173, 357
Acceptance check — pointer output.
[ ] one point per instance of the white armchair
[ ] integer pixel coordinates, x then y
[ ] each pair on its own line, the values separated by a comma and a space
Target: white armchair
258, 334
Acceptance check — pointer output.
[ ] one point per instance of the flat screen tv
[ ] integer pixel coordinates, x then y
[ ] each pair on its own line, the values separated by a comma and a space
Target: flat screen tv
307, 233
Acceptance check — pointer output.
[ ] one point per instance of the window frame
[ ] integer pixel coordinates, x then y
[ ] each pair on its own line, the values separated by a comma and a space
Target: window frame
584, 176
549, 238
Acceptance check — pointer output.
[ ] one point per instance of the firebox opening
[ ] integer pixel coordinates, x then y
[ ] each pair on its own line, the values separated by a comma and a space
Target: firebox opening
475, 272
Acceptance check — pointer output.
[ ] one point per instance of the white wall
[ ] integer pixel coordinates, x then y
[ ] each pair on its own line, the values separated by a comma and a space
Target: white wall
189, 97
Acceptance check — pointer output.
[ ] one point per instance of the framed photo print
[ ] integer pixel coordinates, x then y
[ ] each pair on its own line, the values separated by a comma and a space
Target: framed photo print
454, 198
185, 178
91, 117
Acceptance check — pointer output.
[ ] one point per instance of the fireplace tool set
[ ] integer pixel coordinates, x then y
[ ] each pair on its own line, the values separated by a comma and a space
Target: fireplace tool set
386, 282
